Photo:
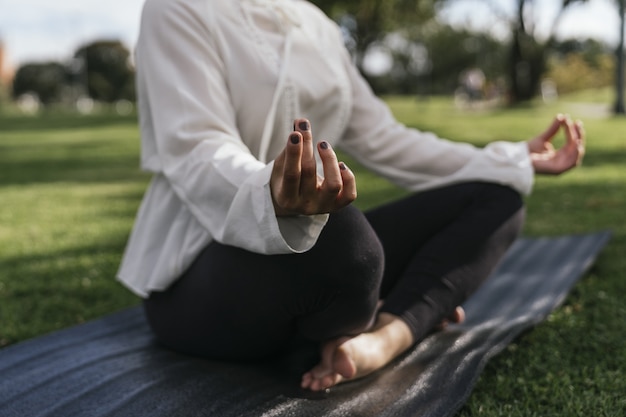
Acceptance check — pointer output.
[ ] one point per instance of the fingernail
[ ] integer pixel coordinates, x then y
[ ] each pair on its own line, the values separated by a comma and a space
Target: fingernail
342, 166
324, 145
294, 138
303, 125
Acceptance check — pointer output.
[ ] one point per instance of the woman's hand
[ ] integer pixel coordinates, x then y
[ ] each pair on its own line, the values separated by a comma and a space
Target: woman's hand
297, 189
548, 160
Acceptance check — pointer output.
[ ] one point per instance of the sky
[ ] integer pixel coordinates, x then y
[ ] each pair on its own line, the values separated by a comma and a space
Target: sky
41, 30
598, 19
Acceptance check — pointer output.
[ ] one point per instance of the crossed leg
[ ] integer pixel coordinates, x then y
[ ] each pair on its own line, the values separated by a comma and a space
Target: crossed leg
347, 358
439, 275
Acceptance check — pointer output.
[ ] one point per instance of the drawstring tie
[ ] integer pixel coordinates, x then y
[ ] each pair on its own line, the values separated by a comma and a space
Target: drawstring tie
287, 17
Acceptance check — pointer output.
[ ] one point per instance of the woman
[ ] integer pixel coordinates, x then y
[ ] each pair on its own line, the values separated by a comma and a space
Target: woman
246, 238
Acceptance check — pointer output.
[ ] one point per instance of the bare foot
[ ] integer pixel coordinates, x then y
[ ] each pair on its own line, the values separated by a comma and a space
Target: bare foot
346, 358
349, 358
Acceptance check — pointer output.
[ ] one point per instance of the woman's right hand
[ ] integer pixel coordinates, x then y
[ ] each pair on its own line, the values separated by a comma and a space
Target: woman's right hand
295, 186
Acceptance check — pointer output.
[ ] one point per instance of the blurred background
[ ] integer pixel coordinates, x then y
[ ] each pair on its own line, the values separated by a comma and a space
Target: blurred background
77, 54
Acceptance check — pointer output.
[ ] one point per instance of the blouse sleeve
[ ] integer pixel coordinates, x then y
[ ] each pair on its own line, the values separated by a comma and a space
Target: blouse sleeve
418, 160
190, 135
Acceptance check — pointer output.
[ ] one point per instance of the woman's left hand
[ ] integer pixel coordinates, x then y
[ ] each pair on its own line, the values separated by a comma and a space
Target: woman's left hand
548, 160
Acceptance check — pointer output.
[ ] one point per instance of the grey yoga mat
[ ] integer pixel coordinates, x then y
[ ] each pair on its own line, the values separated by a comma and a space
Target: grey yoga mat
112, 367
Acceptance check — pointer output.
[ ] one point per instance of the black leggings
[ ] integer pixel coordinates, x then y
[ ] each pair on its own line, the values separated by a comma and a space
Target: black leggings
423, 255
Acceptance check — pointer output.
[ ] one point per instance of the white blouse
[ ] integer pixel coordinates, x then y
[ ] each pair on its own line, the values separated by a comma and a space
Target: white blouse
219, 85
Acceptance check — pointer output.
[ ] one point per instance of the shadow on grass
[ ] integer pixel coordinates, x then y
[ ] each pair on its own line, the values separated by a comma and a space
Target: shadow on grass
98, 159
79, 168
55, 121
100, 152
604, 157
45, 292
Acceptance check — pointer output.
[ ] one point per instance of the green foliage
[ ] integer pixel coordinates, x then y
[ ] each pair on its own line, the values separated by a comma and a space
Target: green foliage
516, 68
591, 50
101, 70
576, 65
527, 61
373, 19
109, 74
453, 51
45, 80
578, 71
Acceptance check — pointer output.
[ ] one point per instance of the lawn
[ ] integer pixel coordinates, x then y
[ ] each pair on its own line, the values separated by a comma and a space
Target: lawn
70, 186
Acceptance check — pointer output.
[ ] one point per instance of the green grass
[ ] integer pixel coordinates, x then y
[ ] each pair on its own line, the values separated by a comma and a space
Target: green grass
70, 187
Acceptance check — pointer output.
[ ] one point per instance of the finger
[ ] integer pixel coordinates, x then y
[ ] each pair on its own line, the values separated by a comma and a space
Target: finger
279, 163
329, 381
307, 379
290, 184
333, 182
553, 129
539, 143
571, 153
308, 182
327, 354
458, 315
580, 129
580, 141
572, 136
349, 192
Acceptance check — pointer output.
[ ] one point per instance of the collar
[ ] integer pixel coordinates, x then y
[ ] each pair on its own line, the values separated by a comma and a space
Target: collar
286, 14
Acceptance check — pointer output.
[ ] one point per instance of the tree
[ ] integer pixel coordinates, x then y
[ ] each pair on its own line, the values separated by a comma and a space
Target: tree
578, 70
527, 61
46, 80
368, 21
405, 30
106, 70
453, 51
619, 103
528, 52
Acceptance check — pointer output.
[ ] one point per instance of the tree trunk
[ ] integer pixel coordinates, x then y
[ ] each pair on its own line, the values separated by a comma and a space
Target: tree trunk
527, 64
619, 104
527, 61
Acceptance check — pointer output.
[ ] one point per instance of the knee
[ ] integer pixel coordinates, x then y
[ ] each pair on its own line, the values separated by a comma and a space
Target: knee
502, 197
507, 210
351, 253
502, 208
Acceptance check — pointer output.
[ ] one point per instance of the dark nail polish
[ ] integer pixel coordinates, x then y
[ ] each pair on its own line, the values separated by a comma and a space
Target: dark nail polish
303, 125
295, 139
342, 166
324, 145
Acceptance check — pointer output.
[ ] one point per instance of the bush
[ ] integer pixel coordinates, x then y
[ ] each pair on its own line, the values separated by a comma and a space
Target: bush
575, 72
45, 80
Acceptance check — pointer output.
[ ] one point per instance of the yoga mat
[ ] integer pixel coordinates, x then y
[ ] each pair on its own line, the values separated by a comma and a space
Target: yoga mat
112, 366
